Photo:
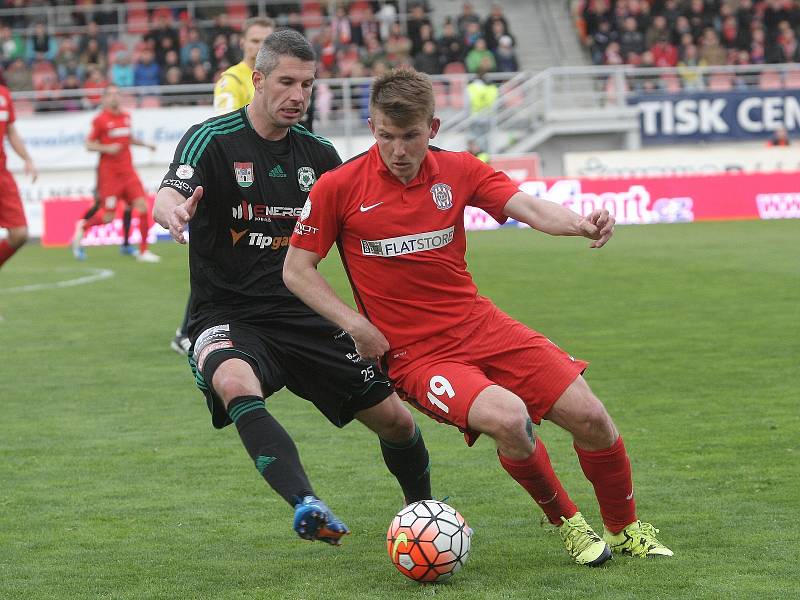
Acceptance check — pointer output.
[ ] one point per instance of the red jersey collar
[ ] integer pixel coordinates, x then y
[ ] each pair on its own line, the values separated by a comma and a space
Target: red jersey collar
428, 169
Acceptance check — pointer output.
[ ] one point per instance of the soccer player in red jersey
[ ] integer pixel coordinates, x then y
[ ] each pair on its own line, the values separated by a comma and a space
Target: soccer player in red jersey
396, 212
12, 215
117, 179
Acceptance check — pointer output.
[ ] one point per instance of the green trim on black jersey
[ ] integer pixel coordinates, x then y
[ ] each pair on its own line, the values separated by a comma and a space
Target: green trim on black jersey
303, 131
197, 143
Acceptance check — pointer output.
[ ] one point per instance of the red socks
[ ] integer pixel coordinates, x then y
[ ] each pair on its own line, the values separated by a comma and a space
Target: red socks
609, 471
536, 475
144, 227
6, 251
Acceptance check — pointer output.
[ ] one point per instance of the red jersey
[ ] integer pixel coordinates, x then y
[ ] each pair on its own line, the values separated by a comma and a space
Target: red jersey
113, 128
6, 118
403, 246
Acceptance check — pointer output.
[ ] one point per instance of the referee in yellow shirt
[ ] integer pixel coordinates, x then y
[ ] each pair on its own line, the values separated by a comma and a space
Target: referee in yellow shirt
234, 87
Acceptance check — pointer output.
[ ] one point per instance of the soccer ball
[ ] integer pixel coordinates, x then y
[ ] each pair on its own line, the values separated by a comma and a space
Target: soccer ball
428, 541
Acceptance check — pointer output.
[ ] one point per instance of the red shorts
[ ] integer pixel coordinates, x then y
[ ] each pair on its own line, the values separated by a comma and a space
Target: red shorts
11, 212
443, 376
118, 186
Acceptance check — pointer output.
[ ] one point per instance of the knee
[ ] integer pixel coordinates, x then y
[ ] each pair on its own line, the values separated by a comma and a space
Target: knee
594, 428
17, 236
512, 428
108, 217
399, 427
229, 385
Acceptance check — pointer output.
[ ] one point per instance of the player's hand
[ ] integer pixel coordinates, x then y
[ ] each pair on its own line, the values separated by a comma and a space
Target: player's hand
182, 214
371, 344
113, 148
30, 169
597, 226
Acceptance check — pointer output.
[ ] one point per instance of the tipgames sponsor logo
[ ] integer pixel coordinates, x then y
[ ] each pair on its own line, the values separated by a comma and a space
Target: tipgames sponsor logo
408, 244
267, 241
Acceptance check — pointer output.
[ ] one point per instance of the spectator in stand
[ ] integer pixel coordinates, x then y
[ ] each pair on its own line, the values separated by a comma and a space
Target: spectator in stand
613, 55
174, 76
398, 46
498, 30
505, 56
480, 58
222, 54
671, 11
600, 40
93, 34
66, 61
93, 56
664, 54
596, 12
341, 28
71, 102
731, 36
295, 21
425, 35
325, 49
745, 15
373, 51
631, 40
711, 50
170, 60
12, 46
106, 13
162, 30
346, 57
681, 30
19, 76
786, 47
41, 45
427, 60
658, 29
472, 34
688, 68
646, 84
96, 82
491, 31
466, 17
417, 19
367, 25
194, 41
386, 15
775, 12
758, 47
146, 71
198, 75
700, 19
195, 58
451, 45
122, 70
780, 138
221, 27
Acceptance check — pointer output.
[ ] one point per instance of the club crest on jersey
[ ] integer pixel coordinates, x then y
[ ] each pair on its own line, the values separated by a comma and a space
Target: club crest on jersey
306, 178
184, 171
442, 196
244, 173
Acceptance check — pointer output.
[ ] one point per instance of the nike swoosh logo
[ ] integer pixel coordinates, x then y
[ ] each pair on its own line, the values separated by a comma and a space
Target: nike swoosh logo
401, 539
363, 208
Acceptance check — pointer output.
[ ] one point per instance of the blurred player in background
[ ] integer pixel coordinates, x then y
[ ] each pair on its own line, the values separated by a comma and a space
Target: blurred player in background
117, 179
241, 192
234, 89
397, 214
12, 215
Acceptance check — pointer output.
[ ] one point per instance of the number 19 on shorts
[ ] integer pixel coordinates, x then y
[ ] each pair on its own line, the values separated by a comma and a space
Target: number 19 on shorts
440, 387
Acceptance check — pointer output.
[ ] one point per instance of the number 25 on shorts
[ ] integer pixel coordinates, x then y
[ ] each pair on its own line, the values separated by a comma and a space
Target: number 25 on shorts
440, 387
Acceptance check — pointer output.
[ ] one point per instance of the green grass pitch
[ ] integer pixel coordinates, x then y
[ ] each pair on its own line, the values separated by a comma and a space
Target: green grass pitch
114, 485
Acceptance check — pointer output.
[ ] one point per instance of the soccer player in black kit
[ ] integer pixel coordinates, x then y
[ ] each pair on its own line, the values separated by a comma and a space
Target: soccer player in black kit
242, 180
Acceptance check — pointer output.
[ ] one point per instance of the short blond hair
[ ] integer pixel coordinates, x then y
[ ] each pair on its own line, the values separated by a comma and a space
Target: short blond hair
404, 95
265, 22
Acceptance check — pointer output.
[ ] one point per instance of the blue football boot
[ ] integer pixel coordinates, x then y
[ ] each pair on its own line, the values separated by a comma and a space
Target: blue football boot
313, 520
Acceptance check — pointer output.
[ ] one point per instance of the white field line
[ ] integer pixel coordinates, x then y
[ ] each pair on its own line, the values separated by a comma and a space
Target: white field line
96, 275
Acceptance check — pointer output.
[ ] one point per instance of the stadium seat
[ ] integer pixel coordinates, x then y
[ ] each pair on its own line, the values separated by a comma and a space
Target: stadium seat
237, 11
440, 94
137, 19
457, 84
770, 80
312, 15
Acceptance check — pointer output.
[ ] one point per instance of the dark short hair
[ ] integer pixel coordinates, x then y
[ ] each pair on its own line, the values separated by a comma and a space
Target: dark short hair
284, 42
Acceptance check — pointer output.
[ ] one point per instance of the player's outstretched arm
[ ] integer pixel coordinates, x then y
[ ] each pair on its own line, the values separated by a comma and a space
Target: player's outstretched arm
15, 139
554, 219
302, 278
172, 211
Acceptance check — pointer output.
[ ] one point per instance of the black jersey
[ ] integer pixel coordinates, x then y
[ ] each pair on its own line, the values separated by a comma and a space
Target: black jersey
253, 193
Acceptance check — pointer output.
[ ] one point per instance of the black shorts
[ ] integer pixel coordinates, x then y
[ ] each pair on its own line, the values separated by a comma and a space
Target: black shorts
305, 353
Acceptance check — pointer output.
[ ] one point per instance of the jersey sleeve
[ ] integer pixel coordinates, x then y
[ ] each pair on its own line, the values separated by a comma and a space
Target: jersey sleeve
228, 94
10, 109
318, 226
493, 189
185, 173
